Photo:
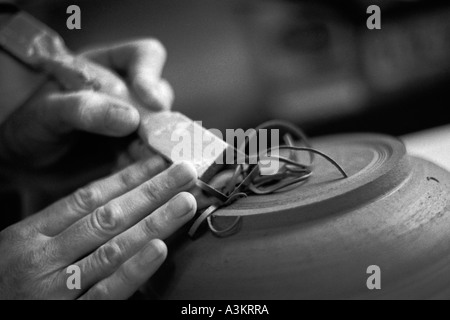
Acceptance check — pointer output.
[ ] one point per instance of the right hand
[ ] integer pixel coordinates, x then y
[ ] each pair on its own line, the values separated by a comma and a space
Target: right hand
112, 230
42, 131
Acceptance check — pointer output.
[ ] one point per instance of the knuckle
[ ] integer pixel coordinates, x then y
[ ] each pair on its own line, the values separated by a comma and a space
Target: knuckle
154, 47
17, 233
9, 234
148, 168
34, 260
143, 168
107, 218
129, 277
167, 86
151, 227
127, 178
152, 191
156, 164
86, 199
118, 89
167, 92
109, 256
77, 100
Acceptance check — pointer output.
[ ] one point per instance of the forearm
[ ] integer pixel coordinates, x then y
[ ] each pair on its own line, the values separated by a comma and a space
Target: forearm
17, 82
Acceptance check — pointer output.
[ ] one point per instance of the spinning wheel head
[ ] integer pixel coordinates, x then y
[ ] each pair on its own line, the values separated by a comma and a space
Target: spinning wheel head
374, 163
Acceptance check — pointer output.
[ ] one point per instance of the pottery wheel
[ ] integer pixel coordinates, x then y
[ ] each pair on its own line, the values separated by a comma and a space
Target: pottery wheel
374, 163
317, 240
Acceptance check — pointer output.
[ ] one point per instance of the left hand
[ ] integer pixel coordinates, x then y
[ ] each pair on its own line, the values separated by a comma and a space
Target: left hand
112, 230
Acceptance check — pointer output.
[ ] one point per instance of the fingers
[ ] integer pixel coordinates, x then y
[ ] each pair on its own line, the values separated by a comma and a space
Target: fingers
159, 225
142, 62
141, 58
106, 222
139, 150
64, 213
71, 73
157, 95
111, 109
131, 275
92, 112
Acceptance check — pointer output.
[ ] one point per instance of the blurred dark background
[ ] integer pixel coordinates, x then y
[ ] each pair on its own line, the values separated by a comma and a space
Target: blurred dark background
235, 63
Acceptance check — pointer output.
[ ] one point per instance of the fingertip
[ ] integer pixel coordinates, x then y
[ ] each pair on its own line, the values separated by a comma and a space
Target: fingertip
191, 202
158, 250
183, 205
156, 95
143, 87
184, 173
166, 93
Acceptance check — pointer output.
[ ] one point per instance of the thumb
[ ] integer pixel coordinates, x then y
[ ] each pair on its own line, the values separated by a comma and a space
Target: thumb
92, 112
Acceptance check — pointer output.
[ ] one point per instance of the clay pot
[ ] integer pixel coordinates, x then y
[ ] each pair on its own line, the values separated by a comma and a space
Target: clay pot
318, 240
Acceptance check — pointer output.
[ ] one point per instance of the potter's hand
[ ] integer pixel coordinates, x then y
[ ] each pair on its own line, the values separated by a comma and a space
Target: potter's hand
38, 133
109, 229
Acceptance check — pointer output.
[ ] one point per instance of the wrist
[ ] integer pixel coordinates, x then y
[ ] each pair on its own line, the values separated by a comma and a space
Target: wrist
18, 82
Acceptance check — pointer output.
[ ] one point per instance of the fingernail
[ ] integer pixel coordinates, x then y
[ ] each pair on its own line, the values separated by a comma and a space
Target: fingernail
183, 173
123, 112
183, 204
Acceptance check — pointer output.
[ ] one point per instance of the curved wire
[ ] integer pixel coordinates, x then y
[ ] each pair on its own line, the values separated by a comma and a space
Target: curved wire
248, 179
313, 151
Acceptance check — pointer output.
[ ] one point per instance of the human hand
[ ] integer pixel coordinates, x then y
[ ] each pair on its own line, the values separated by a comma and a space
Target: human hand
42, 130
110, 229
